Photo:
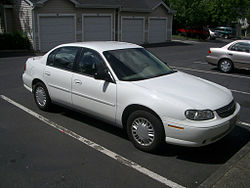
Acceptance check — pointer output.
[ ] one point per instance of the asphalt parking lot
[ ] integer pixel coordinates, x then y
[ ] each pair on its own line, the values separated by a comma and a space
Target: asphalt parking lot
64, 148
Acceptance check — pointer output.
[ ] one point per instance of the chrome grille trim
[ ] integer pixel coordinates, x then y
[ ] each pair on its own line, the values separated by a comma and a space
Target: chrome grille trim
226, 110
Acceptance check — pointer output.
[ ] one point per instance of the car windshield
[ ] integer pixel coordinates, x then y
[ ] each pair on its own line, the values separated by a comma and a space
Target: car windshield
136, 64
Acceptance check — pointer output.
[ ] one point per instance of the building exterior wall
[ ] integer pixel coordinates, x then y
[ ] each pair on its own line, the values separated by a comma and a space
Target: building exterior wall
8, 16
67, 7
158, 12
27, 18
23, 18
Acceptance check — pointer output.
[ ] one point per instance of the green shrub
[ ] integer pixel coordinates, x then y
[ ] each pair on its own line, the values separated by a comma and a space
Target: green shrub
14, 41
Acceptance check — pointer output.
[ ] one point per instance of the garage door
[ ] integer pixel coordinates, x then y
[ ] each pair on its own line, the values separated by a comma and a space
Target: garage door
97, 28
55, 30
132, 30
157, 30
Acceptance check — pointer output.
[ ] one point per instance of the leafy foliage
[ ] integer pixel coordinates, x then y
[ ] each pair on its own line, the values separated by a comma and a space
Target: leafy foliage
12, 41
208, 12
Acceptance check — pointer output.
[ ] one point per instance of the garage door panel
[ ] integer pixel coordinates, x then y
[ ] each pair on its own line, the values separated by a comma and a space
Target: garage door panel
97, 28
55, 30
132, 30
157, 30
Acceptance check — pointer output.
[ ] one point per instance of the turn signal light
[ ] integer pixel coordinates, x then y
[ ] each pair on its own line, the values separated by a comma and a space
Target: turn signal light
24, 67
176, 127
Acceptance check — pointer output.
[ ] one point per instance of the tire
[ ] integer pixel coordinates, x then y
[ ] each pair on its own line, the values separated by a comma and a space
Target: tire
42, 97
145, 131
225, 65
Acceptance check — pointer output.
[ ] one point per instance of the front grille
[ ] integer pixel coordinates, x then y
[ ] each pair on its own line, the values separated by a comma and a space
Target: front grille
226, 110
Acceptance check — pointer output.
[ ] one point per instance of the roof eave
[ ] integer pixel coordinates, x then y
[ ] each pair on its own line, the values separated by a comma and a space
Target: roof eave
136, 10
167, 7
41, 2
96, 6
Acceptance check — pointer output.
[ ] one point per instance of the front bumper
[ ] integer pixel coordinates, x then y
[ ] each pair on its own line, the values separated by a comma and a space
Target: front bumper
200, 133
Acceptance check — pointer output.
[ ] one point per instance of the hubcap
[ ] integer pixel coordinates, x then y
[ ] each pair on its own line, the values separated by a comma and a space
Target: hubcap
225, 66
41, 96
143, 131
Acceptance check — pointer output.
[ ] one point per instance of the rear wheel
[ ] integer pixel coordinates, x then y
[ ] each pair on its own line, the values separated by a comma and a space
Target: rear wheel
41, 96
145, 130
225, 65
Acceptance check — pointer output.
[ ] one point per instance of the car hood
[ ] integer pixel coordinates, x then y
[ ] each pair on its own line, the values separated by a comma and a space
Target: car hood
192, 91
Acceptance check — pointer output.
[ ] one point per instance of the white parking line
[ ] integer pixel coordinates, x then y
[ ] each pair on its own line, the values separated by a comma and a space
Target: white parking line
210, 72
242, 92
97, 147
187, 41
240, 123
200, 62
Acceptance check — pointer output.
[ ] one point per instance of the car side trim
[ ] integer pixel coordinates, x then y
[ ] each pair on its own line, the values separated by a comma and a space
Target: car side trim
93, 99
60, 88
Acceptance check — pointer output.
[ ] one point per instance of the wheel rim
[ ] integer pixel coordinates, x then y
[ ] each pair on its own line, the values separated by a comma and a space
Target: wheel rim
41, 96
225, 65
143, 131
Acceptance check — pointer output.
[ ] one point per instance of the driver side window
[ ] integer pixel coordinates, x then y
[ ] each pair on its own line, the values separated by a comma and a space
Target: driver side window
88, 62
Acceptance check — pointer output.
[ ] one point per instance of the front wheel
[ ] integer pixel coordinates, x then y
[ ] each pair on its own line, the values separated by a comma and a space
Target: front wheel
145, 131
41, 96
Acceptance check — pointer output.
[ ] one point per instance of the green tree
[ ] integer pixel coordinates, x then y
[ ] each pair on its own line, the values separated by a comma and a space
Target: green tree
196, 13
227, 12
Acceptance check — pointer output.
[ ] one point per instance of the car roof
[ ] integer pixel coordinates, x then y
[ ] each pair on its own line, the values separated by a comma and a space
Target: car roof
248, 41
237, 41
102, 46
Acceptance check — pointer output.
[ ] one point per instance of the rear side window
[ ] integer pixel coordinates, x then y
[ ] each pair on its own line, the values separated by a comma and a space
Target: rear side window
241, 47
63, 58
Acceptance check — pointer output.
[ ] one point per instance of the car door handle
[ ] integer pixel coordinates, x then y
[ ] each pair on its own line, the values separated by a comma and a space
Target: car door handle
78, 82
47, 73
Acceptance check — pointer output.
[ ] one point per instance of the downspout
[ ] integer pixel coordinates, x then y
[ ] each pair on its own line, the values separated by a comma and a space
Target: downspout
33, 28
118, 23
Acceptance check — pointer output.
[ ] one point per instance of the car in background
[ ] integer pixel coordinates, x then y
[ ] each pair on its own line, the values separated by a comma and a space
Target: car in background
225, 32
202, 33
127, 86
233, 55
212, 34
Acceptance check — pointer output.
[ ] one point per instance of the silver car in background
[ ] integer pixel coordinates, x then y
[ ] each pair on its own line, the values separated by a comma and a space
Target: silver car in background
234, 55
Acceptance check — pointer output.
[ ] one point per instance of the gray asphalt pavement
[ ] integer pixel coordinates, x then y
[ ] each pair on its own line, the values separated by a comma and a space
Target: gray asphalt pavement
34, 154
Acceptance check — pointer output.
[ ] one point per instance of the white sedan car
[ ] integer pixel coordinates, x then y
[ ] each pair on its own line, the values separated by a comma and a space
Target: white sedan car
124, 84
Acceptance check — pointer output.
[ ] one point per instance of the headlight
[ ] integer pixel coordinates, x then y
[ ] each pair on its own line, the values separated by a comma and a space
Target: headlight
199, 114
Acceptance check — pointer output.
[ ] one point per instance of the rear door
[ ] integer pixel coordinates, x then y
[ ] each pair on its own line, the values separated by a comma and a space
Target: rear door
97, 97
58, 73
240, 54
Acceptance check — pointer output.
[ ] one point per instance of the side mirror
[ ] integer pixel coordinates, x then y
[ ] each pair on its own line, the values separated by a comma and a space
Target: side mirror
102, 74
